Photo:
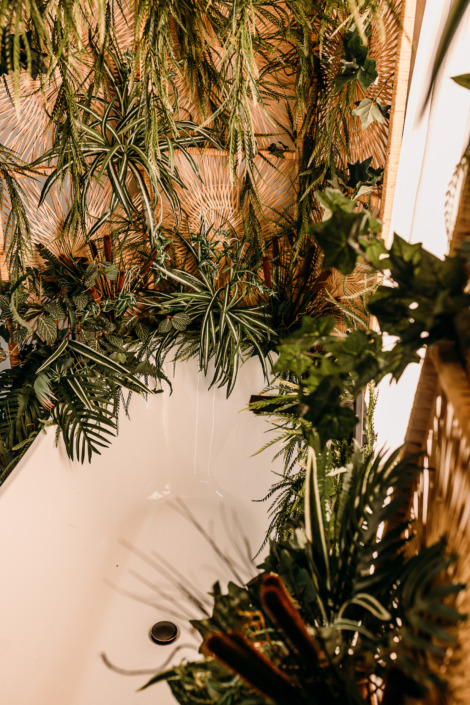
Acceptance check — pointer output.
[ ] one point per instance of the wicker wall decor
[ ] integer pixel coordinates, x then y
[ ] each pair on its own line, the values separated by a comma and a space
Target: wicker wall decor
27, 132
439, 426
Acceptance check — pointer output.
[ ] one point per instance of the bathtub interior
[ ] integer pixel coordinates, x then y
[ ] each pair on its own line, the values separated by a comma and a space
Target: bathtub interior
93, 555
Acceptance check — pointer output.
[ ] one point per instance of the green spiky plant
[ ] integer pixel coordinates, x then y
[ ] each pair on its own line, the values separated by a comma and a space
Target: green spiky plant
338, 613
128, 85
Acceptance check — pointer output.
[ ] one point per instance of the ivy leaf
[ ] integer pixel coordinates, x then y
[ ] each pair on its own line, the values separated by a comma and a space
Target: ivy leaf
363, 173
368, 111
55, 309
348, 74
336, 237
47, 329
354, 49
332, 200
368, 74
359, 172
462, 80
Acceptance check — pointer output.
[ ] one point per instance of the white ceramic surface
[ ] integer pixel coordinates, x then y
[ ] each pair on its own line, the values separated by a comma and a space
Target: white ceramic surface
91, 556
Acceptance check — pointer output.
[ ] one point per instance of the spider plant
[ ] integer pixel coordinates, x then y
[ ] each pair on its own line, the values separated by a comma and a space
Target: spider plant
220, 325
113, 143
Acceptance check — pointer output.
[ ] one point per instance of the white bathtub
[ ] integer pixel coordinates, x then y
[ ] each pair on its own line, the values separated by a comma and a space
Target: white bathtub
78, 544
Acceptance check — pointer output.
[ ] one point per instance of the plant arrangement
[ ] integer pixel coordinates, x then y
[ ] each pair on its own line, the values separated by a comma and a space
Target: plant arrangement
340, 610
109, 272
337, 612
133, 94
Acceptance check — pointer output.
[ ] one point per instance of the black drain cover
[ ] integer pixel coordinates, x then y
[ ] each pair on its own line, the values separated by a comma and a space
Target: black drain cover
164, 632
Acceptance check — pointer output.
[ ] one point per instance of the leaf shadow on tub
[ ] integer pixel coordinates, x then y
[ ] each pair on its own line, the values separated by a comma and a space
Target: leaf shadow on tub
178, 551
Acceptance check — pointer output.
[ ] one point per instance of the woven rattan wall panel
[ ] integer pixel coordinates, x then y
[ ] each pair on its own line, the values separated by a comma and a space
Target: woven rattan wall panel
27, 132
440, 504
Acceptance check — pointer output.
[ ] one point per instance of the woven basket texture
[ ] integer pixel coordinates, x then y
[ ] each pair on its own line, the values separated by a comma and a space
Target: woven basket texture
216, 197
439, 426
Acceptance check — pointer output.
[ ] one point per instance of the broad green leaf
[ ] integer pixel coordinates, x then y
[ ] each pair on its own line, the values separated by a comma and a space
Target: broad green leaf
55, 309
332, 200
5, 304
19, 336
81, 301
354, 48
368, 111
165, 325
181, 321
110, 271
91, 274
47, 329
367, 74
142, 331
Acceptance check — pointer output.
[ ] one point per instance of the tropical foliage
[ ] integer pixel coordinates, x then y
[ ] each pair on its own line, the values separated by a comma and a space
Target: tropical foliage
116, 238
338, 613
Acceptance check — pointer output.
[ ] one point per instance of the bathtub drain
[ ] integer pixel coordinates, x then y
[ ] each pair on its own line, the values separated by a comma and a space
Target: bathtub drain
164, 632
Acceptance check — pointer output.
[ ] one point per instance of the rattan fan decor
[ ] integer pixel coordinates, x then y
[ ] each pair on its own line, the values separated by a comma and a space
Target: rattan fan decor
27, 131
439, 426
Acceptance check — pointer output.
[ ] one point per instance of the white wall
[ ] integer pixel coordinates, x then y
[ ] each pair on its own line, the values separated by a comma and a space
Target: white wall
433, 143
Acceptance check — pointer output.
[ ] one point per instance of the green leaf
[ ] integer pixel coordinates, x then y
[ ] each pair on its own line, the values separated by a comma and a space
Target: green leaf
42, 389
363, 173
81, 301
368, 74
314, 527
369, 111
5, 305
142, 331
165, 326
354, 49
332, 200
110, 271
47, 329
125, 377
116, 341
181, 321
55, 355
55, 309
19, 336
91, 274
463, 80
336, 237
